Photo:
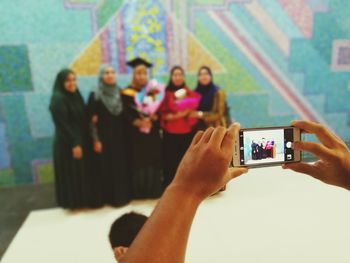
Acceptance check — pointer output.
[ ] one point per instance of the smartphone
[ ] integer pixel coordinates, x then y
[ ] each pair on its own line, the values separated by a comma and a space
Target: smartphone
257, 147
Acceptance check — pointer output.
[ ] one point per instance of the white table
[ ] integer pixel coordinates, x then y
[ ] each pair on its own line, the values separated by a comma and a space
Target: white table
269, 215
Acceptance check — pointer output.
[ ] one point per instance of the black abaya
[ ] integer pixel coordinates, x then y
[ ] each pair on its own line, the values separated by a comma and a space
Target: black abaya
111, 182
144, 154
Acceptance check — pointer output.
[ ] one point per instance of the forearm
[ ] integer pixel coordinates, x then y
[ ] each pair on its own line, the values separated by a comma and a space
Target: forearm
94, 132
173, 116
211, 116
169, 116
165, 234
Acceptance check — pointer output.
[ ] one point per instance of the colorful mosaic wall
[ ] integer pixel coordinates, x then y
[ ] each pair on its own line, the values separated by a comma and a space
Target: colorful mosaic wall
277, 59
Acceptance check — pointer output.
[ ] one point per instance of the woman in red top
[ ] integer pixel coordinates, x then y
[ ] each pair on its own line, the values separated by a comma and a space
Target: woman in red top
175, 121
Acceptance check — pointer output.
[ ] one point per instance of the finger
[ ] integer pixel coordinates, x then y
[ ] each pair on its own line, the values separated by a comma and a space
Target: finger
217, 137
235, 172
207, 134
196, 138
227, 144
315, 148
304, 168
323, 133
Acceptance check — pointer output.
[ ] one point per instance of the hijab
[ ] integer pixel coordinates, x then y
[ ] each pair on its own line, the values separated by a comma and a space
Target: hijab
171, 86
207, 92
58, 87
59, 91
109, 93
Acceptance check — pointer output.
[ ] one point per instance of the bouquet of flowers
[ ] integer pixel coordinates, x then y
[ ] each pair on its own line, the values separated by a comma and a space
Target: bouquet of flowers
185, 103
149, 100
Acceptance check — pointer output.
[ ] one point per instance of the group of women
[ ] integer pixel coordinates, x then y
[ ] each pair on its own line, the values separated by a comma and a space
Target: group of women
127, 143
263, 149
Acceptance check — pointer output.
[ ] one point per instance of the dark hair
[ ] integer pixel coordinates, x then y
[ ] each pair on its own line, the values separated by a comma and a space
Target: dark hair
171, 85
175, 68
124, 229
207, 69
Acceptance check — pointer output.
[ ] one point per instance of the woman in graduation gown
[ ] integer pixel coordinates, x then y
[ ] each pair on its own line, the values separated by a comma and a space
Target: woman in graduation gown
212, 110
111, 182
70, 154
144, 141
176, 123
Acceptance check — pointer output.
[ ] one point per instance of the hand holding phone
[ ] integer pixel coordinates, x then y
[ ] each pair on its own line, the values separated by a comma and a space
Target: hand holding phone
333, 166
272, 146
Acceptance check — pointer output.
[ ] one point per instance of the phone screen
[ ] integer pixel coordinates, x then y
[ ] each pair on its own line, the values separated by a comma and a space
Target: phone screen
266, 146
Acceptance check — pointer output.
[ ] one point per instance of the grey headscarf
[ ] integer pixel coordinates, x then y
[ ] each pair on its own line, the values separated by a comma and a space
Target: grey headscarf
109, 94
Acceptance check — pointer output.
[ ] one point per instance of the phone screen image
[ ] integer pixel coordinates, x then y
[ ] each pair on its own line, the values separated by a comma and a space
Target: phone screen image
266, 146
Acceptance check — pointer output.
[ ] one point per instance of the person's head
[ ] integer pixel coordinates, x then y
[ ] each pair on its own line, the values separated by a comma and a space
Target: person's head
205, 76
66, 81
123, 232
140, 76
108, 75
140, 72
177, 76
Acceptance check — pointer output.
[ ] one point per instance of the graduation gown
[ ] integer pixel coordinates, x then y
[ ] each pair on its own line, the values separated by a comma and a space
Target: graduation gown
111, 182
71, 129
144, 152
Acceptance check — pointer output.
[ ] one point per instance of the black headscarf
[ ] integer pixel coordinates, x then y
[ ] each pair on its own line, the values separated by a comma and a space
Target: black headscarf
171, 86
207, 92
59, 91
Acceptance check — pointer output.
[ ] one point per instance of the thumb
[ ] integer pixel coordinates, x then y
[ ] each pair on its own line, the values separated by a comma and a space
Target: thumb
235, 172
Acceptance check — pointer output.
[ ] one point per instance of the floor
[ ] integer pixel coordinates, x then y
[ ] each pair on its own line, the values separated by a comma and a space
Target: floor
15, 205
269, 215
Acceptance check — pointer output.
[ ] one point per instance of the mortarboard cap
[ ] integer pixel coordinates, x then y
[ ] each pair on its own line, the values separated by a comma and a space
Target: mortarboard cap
139, 61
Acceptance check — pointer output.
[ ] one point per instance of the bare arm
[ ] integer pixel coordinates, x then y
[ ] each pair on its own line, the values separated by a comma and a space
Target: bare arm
165, 236
175, 116
202, 171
